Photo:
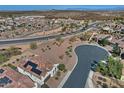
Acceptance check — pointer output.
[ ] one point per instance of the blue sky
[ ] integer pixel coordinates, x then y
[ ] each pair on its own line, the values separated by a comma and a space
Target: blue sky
61, 7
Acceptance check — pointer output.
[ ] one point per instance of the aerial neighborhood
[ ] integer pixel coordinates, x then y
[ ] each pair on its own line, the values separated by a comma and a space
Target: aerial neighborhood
62, 49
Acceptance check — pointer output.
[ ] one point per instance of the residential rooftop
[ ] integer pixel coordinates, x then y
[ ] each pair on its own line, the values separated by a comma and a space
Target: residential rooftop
11, 78
37, 66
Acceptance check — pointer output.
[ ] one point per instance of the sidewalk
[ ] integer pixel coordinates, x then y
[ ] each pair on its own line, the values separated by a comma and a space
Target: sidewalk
89, 83
64, 80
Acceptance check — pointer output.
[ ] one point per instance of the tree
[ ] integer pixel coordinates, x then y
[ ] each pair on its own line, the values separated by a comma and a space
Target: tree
116, 49
61, 67
103, 42
113, 68
102, 68
33, 45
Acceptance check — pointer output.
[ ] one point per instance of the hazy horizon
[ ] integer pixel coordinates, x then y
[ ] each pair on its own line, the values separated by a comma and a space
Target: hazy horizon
59, 7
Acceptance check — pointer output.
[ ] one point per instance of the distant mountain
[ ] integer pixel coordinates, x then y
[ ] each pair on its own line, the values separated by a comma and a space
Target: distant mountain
105, 9
60, 7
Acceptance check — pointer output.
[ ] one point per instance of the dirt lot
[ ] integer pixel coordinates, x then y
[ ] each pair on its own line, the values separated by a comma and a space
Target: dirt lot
55, 53
68, 14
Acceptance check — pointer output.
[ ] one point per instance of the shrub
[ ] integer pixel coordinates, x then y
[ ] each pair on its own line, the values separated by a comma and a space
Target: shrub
61, 67
33, 45
116, 49
12, 66
56, 78
3, 58
105, 85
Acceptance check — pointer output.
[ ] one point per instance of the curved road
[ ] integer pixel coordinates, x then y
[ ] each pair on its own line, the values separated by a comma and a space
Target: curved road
86, 54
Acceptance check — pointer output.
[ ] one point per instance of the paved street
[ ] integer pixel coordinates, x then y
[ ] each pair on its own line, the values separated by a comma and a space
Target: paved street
86, 54
31, 39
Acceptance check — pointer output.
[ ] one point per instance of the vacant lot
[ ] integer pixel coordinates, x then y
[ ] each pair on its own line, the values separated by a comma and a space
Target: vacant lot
99, 15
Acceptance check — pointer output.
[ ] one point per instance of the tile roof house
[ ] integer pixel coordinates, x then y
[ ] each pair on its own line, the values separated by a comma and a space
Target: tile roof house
10, 78
38, 69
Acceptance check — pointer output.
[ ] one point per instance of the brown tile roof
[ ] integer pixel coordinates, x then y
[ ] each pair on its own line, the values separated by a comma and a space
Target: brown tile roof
18, 80
42, 65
